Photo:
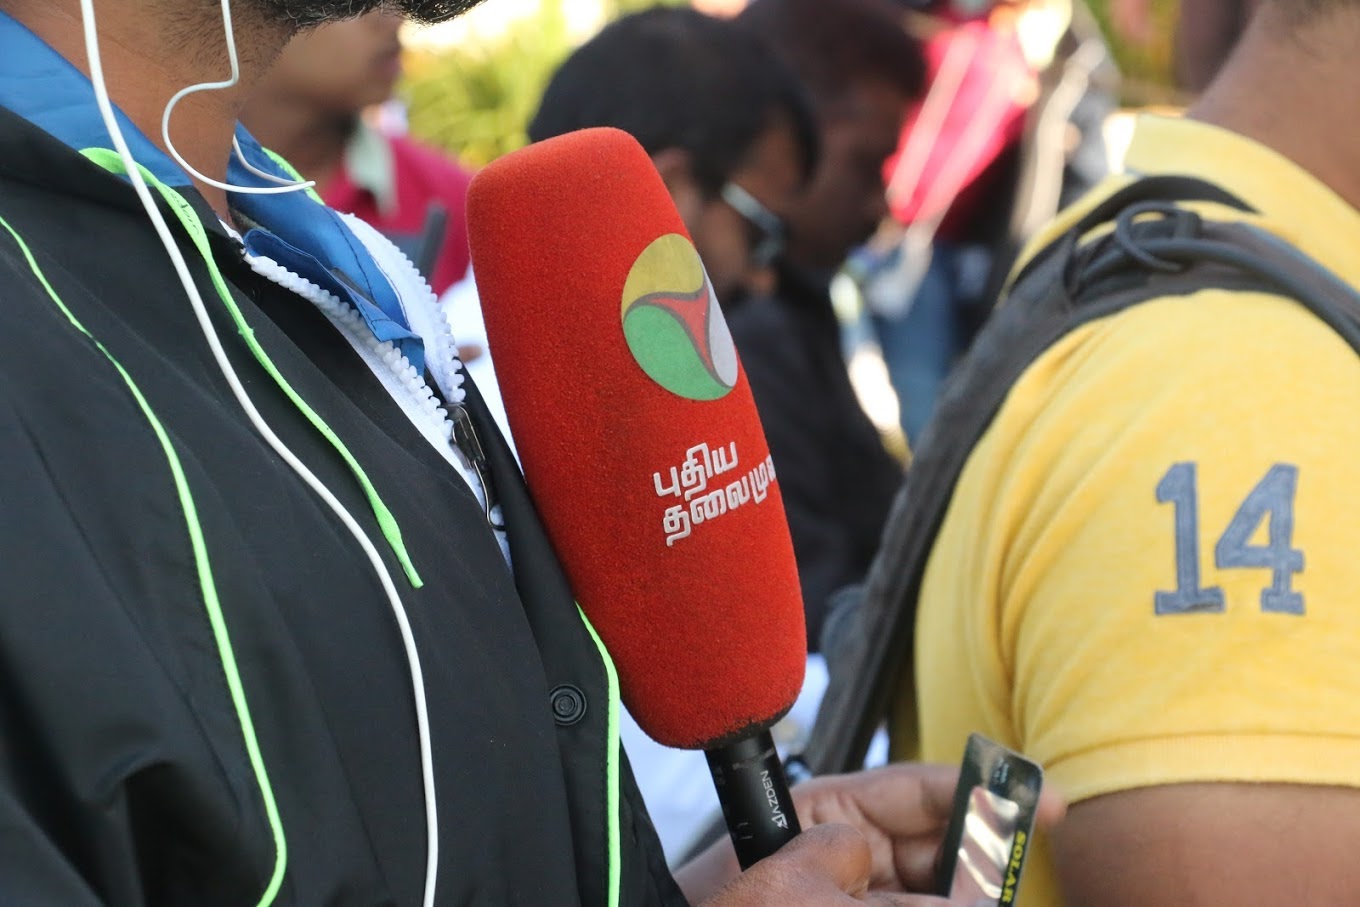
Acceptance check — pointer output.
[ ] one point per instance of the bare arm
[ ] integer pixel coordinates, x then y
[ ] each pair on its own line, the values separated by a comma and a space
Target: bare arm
1212, 844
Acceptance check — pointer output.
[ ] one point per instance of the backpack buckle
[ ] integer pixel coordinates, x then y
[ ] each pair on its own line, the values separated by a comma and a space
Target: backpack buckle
1127, 247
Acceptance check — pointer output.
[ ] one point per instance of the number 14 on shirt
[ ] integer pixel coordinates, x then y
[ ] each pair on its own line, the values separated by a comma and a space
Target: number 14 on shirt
1272, 499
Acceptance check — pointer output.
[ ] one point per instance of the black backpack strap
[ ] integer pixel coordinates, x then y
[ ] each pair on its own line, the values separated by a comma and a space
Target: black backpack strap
1152, 191
1156, 249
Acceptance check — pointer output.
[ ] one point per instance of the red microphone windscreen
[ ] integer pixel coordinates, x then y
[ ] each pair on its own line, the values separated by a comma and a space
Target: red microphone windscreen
638, 435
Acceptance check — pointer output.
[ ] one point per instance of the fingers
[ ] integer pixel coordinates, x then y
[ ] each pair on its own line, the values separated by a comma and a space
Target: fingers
903, 799
837, 853
922, 900
910, 798
913, 862
902, 810
1052, 808
825, 865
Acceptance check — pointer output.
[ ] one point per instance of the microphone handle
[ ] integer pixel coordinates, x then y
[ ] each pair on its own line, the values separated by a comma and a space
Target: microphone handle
754, 794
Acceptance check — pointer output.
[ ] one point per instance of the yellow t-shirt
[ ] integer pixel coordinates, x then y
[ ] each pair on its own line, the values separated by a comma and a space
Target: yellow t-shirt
1150, 570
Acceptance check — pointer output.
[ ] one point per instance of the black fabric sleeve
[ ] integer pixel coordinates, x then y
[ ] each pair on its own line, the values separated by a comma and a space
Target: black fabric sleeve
110, 793
51, 849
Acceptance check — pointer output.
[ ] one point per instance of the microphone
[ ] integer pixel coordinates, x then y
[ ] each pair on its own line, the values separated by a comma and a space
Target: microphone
644, 455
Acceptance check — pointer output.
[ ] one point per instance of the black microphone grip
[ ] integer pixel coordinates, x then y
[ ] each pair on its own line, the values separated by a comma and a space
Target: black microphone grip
754, 794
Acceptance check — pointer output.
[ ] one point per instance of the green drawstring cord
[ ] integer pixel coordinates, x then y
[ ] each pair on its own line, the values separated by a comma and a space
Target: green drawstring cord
188, 217
612, 768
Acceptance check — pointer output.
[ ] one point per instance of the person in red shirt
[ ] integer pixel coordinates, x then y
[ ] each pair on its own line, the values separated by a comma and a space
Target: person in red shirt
309, 110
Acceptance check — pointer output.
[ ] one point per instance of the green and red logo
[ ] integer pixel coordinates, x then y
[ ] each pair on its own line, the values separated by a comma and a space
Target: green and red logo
673, 324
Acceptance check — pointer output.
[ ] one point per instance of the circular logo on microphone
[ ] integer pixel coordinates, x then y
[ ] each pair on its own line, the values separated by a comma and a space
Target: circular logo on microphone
673, 324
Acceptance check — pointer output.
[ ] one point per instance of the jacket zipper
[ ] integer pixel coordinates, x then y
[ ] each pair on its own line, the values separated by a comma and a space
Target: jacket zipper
455, 438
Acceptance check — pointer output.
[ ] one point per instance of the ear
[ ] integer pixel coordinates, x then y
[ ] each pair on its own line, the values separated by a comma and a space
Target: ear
676, 172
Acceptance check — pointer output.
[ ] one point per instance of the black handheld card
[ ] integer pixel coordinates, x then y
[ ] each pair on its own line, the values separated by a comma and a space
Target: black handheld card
993, 821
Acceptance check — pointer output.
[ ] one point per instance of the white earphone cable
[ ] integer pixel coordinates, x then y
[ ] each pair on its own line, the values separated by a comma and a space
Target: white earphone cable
262, 174
285, 186
219, 354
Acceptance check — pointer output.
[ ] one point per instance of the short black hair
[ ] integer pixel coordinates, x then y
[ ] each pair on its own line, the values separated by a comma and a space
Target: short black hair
835, 45
675, 78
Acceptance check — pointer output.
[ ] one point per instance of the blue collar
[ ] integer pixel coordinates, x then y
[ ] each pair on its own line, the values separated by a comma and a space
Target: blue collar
296, 230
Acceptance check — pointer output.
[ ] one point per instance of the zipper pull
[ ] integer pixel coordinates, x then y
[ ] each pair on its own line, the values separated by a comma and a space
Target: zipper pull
465, 438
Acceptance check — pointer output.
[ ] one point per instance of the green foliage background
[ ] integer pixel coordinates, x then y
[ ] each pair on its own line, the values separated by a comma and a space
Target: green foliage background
1146, 68
474, 100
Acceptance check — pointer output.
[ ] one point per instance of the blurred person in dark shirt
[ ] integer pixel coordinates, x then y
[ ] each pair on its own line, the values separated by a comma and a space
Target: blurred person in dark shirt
862, 71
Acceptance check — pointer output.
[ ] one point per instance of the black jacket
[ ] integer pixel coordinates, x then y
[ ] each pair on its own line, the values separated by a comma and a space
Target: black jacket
836, 478
124, 773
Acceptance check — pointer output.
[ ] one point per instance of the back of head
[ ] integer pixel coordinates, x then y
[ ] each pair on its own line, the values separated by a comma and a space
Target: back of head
835, 45
675, 78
